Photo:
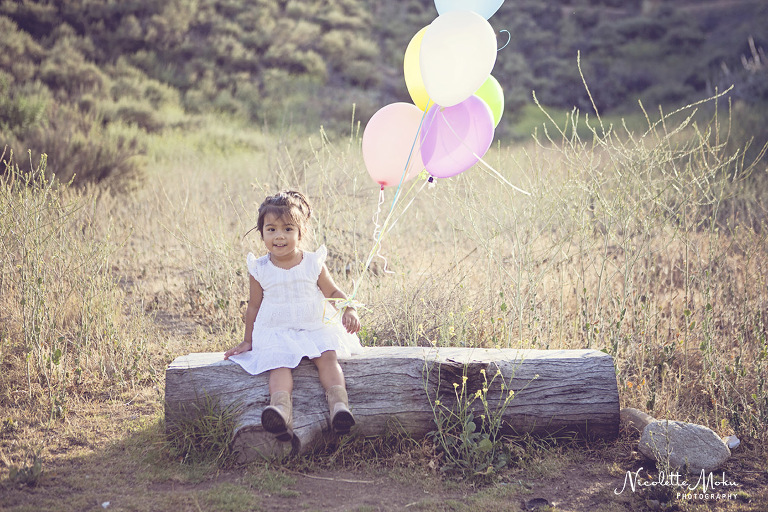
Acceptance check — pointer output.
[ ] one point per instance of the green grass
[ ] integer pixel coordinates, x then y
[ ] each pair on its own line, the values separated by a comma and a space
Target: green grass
227, 498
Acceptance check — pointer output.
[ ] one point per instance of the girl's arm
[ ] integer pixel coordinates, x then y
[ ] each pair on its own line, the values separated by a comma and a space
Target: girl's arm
254, 303
349, 316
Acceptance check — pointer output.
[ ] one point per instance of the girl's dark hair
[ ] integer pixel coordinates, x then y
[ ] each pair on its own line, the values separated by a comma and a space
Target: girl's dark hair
289, 204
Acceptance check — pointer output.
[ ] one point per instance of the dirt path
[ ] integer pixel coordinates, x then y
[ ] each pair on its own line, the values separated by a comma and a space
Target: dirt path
111, 451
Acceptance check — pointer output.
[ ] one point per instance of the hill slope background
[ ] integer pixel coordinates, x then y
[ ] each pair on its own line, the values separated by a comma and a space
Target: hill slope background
90, 68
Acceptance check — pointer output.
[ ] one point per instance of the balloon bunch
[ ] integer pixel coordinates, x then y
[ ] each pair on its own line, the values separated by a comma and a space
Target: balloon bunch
457, 104
456, 107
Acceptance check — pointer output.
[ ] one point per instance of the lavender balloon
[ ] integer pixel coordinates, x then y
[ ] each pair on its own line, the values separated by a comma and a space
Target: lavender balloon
453, 139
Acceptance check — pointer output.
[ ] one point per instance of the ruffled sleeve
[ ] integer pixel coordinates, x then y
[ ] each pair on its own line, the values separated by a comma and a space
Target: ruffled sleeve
253, 265
319, 260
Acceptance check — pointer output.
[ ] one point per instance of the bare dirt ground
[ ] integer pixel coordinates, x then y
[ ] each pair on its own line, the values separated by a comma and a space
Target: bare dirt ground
108, 455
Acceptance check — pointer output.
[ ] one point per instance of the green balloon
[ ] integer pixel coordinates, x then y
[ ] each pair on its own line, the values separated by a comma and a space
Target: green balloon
490, 92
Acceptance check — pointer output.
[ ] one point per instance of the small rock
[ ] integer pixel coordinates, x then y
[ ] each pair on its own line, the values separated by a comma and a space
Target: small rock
105, 504
536, 504
634, 419
732, 442
684, 445
653, 504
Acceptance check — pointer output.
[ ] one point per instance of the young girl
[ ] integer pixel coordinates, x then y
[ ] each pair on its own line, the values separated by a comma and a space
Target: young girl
285, 319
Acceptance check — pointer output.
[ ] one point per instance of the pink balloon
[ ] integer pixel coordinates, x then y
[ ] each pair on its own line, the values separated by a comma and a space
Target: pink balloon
453, 139
390, 144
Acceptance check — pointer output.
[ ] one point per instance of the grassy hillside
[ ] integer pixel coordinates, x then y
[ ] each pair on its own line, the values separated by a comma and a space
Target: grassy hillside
91, 68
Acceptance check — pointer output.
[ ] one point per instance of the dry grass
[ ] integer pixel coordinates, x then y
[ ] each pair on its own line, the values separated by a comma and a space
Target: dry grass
649, 246
65, 323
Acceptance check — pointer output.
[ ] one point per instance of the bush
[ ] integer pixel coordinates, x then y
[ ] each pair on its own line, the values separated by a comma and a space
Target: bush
68, 73
749, 131
469, 426
749, 83
204, 435
19, 53
80, 149
21, 108
129, 111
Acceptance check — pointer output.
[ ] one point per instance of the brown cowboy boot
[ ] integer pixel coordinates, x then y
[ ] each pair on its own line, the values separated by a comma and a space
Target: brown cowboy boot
277, 418
341, 419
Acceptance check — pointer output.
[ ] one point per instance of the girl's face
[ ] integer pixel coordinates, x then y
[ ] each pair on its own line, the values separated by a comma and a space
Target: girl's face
280, 235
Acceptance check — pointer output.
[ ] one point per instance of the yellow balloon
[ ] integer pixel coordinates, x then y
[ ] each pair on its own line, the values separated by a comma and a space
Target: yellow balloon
412, 71
490, 92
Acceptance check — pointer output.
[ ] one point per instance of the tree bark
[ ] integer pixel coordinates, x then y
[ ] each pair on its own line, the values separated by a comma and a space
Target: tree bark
561, 392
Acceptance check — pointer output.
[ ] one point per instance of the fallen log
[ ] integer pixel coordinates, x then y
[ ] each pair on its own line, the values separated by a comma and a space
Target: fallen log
559, 392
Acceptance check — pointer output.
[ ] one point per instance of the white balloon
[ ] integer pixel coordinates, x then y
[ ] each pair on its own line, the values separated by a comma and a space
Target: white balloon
458, 52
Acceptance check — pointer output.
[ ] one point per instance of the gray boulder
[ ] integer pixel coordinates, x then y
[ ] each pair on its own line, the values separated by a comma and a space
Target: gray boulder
683, 445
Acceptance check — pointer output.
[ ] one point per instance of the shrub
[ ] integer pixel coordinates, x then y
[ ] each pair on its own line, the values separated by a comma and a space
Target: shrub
362, 73
80, 149
21, 108
343, 46
29, 472
19, 53
468, 427
130, 111
67, 72
142, 115
203, 434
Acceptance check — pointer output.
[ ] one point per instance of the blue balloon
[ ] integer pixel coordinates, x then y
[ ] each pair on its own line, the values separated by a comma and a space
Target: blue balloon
485, 8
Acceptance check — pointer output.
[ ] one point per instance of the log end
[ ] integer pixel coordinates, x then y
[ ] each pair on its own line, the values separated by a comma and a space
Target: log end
252, 442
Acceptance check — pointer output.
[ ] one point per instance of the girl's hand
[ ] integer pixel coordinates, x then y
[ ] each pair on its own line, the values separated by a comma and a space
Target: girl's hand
350, 321
243, 347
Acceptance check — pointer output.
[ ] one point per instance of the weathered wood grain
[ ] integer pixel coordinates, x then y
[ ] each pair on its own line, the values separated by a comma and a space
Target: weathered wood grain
556, 391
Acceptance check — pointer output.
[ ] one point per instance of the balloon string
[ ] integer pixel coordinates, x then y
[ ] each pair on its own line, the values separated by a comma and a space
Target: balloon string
408, 205
509, 38
486, 164
379, 231
377, 227
410, 155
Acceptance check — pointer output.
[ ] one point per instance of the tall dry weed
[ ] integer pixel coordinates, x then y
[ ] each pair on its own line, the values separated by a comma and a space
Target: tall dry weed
65, 329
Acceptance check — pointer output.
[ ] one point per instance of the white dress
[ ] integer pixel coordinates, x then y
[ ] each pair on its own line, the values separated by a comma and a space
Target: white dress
294, 320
